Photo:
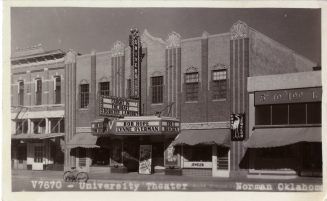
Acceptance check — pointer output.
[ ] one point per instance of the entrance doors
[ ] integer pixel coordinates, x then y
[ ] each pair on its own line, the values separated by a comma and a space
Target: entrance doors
38, 152
220, 160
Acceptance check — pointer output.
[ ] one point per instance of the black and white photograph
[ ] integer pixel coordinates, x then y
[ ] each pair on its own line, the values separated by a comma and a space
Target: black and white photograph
165, 99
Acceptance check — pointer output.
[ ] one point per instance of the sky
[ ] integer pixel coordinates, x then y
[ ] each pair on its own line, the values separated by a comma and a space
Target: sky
87, 29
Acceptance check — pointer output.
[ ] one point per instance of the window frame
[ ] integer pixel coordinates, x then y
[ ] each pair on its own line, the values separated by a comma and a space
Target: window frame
157, 83
57, 90
191, 86
104, 92
21, 90
38, 91
219, 84
84, 96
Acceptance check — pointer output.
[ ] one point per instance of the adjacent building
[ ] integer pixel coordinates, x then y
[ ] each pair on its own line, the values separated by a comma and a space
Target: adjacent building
37, 109
201, 81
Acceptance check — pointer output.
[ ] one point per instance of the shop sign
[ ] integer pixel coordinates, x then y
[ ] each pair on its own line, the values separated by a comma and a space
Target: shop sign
147, 127
145, 159
136, 57
288, 96
237, 126
117, 107
195, 164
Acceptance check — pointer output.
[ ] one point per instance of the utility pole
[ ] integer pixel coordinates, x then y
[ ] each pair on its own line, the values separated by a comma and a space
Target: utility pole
136, 61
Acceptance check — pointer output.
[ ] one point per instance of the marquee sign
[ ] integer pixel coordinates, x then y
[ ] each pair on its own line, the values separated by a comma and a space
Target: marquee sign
138, 127
135, 126
117, 107
237, 126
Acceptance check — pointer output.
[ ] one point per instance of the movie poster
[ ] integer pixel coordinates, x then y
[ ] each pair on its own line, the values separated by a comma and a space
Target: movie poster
145, 159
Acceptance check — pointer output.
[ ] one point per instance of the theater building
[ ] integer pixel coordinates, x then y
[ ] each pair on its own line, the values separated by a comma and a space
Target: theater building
198, 81
37, 109
285, 125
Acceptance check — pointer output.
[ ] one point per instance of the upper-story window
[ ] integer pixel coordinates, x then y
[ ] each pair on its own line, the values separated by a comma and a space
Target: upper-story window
219, 84
20, 93
21, 127
104, 88
57, 89
191, 86
157, 89
38, 92
84, 95
288, 114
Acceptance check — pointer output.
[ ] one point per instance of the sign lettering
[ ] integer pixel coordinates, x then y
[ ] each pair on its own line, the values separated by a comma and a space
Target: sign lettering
117, 107
288, 96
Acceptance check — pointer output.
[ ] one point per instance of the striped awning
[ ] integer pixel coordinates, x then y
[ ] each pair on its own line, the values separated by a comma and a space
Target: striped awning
203, 136
275, 137
85, 140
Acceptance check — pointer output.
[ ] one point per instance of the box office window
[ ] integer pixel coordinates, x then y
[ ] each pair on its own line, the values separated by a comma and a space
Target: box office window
288, 114
219, 84
157, 89
104, 88
201, 153
191, 86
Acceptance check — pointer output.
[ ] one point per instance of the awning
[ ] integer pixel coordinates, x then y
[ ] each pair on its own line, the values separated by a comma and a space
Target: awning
36, 136
85, 140
275, 137
203, 136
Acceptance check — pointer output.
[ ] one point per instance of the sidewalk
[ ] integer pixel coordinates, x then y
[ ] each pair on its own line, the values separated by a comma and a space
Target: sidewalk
134, 176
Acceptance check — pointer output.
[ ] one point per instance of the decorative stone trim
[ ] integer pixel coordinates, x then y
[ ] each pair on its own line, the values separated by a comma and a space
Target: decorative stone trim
239, 30
192, 69
174, 40
156, 73
219, 66
70, 57
205, 125
118, 49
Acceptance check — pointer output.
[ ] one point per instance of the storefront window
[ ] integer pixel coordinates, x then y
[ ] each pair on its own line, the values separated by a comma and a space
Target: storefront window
262, 115
279, 114
201, 153
288, 114
297, 113
314, 113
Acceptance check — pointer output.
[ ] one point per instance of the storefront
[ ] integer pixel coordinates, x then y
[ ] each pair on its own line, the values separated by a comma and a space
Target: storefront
130, 144
35, 152
286, 128
204, 152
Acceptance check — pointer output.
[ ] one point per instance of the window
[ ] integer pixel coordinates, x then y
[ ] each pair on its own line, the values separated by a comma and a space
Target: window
57, 125
201, 153
219, 84
222, 158
191, 86
21, 93
314, 113
84, 95
157, 89
38, 154
21, 127
288, 114
38, 92
57, 89
104, 88
279, 114
129, 88
39, 126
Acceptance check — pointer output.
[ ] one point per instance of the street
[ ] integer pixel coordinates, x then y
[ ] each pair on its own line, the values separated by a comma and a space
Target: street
25, 180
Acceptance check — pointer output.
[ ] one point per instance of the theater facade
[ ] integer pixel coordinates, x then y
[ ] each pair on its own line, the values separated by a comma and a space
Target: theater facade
192, 85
